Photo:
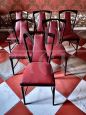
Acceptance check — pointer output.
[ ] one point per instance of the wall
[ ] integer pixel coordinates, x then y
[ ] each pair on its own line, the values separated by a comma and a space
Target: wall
30, 5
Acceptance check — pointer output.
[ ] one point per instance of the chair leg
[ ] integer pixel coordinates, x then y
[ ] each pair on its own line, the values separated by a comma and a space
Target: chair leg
12, 65
65, 65
23, 94
53, 91
77, 46
69, 43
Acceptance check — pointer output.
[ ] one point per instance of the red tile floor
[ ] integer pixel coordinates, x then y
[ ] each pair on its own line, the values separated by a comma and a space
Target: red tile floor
70, 89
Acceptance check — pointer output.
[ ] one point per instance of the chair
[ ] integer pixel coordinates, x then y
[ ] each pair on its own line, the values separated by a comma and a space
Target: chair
18, 50
39, 16
38, 72
69, 34
58, 49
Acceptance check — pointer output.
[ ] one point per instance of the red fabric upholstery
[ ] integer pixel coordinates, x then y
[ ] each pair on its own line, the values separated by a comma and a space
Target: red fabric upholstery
37, 73
19, 51
12, 36
53, 28
41, 18
58, 50
71, 36
39, 52
17, 27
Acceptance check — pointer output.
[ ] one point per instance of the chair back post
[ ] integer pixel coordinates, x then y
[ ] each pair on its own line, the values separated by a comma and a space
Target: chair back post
13, 26
76, 12
53, 37
61, 29
27, 50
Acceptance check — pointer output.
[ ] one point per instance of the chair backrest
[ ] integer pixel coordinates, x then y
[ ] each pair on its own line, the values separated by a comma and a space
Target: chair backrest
70, 16
39, 16
25, 25
23, 29
39, 50
15, 15
53, 26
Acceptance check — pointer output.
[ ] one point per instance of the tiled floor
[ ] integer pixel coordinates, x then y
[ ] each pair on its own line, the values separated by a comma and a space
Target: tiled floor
70, 89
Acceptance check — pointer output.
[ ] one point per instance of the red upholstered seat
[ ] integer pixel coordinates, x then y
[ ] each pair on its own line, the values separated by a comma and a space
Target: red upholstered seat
39, 51
71, 36
19, 51
12, 36
38, 73
58, 50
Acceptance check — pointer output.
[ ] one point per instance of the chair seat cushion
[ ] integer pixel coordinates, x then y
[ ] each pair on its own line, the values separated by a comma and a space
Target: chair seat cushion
38, 73
12, 36
71, 36
58, 50
19, 51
